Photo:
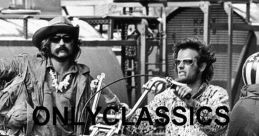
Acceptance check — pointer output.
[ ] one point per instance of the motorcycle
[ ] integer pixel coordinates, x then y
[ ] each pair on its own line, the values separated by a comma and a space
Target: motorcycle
116, 129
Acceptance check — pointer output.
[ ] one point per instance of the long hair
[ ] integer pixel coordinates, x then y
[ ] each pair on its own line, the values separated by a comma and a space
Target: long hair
45, 48
205, 55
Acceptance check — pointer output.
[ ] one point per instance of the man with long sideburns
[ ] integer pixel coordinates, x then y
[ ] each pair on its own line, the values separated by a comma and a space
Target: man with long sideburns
52, 78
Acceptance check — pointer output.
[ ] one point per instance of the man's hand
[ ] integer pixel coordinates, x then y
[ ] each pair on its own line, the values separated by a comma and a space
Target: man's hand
94, 84
182, 92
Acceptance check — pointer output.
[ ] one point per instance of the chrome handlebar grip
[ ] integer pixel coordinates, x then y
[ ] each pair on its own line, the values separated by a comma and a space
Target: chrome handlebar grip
97, 96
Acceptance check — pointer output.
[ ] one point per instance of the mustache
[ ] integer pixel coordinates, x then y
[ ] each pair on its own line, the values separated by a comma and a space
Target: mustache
62, 48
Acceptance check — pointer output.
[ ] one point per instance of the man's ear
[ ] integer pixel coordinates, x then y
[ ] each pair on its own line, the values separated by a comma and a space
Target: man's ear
203, 66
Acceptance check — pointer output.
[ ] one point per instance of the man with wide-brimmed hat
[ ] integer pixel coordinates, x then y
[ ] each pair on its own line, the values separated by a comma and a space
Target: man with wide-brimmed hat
50, 82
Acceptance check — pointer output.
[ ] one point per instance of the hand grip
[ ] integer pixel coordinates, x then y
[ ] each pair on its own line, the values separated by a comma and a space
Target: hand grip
174, 84
188, 96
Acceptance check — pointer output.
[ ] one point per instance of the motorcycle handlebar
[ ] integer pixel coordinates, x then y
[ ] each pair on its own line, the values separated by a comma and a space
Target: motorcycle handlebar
167, 80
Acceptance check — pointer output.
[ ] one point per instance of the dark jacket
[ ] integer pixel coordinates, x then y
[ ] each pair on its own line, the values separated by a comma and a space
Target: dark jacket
244, 118
24, 91
250, 91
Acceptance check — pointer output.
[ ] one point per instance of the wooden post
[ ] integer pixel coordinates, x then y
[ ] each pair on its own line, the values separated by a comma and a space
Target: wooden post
25, 27
229, 11
110, 29
164, 49
205, 7
142, 57
248, 12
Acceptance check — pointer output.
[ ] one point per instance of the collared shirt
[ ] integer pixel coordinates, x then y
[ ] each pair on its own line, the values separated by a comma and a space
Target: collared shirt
60, 100
208, 95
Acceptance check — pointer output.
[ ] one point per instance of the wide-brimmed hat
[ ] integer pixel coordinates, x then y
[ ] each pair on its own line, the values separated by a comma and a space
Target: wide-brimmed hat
58, 24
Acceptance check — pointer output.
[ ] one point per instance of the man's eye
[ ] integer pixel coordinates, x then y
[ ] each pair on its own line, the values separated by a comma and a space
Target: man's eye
177, 62
55, 39
67, 38
188, 62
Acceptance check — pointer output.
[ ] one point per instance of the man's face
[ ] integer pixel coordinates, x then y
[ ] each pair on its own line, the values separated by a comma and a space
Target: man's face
186, 66
61, 46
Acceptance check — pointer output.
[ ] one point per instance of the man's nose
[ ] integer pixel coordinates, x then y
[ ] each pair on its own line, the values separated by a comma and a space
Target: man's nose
180, 65
61, 42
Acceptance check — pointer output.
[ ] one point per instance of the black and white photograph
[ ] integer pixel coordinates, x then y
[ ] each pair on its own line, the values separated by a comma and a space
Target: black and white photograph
129, 68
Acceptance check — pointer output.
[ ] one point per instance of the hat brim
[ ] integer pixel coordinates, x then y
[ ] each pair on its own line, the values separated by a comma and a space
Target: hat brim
47, 31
